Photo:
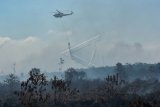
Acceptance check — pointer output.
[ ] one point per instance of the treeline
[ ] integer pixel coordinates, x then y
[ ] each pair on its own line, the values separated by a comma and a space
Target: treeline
132, 71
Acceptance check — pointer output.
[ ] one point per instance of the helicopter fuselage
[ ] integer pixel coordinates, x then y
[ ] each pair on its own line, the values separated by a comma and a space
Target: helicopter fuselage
60, 15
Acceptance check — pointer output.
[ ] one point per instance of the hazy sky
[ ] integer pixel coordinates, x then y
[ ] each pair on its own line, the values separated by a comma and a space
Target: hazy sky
31, 37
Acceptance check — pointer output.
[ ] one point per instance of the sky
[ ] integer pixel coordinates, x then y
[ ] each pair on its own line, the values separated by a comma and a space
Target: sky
31, 37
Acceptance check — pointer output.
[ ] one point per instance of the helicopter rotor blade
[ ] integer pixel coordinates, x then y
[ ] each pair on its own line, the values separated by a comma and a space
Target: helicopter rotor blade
58, 11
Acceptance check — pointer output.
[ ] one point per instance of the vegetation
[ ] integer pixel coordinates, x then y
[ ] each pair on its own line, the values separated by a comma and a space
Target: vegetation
33, 91
77, 90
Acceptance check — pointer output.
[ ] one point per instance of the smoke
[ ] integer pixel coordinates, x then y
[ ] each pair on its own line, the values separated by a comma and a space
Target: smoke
33, 52
131, 53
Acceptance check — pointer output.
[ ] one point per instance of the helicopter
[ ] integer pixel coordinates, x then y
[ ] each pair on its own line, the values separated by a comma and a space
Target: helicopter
59, 14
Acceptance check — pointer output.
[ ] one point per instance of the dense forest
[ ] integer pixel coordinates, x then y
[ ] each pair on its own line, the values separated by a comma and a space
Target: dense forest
129, 85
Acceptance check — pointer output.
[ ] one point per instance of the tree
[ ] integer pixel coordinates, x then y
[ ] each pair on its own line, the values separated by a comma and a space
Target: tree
11, 80
62, 90
158, 68
151, 72
71, 74
33, 91
121, 71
